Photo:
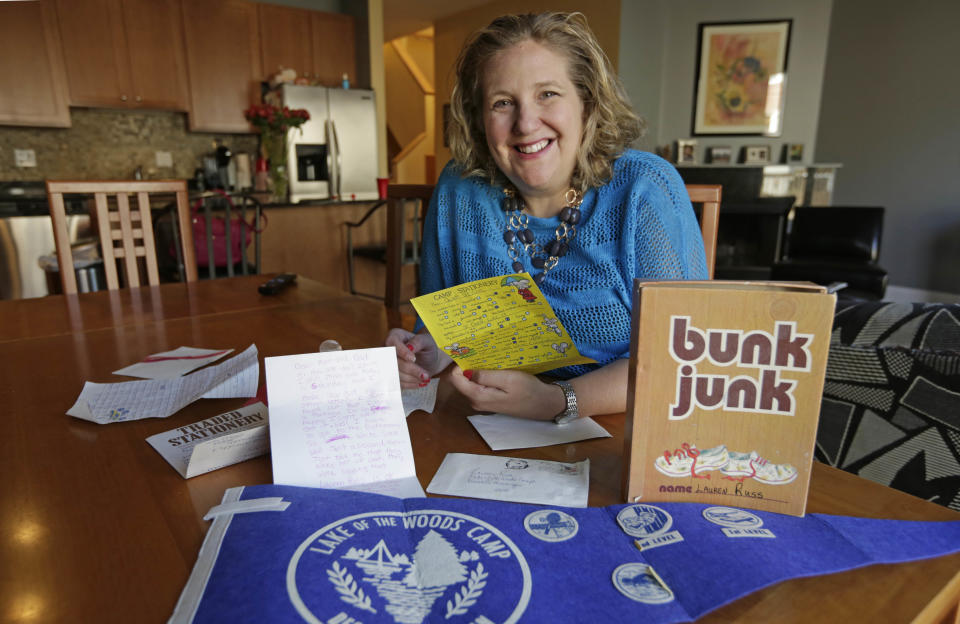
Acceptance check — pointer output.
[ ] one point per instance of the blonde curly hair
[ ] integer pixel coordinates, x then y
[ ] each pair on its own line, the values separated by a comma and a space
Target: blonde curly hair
609, 126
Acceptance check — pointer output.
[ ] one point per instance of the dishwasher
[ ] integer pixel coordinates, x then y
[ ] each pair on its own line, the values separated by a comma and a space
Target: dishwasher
26, 235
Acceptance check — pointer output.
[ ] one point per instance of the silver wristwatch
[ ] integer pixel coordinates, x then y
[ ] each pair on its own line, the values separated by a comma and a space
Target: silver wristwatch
571, 412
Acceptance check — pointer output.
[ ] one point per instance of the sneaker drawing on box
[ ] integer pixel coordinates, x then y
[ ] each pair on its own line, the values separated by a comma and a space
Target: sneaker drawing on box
739, 465
774, 474
689, 461
750, 465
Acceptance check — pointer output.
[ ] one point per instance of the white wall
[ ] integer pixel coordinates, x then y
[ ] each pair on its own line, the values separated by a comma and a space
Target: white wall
658, 49
891, 114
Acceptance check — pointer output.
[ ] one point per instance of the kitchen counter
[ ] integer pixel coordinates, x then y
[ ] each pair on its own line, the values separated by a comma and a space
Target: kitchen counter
308, 238
311, 239
29, 199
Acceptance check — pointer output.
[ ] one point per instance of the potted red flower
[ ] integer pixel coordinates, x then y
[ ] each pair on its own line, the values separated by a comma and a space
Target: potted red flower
274, 124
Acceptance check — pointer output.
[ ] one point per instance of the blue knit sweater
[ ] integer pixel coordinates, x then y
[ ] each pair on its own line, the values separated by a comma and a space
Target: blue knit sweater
639, 224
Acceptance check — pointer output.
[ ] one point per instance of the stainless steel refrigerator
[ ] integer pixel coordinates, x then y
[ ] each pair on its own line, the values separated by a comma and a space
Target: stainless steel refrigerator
335, 157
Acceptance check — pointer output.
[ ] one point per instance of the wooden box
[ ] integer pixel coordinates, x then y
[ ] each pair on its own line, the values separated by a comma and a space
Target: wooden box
724, 392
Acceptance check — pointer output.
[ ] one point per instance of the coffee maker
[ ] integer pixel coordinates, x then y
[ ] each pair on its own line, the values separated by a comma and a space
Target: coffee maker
218, 170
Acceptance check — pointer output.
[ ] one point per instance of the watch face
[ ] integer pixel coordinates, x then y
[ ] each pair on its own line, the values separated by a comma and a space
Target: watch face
565, 417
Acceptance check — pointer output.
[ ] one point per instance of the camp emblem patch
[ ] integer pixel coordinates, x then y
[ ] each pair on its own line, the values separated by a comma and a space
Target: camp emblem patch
733, 518
737, 522
409, 568
644, 520
639, 582
551, 525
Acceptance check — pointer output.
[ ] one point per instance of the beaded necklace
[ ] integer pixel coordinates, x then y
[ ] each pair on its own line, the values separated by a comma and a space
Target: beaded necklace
520, 241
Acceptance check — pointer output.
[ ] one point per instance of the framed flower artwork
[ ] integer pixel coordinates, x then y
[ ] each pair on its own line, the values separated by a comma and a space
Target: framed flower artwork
741, 78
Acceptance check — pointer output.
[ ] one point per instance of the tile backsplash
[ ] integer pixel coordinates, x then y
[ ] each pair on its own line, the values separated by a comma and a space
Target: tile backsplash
111, 144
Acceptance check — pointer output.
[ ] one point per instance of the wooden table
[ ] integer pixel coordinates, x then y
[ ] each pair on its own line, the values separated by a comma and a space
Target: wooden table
97, 527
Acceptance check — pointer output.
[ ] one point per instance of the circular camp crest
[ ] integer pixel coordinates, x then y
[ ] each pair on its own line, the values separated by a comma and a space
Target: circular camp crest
409, 568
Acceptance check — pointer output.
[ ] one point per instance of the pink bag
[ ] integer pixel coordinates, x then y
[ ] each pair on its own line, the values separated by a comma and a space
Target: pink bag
241, 233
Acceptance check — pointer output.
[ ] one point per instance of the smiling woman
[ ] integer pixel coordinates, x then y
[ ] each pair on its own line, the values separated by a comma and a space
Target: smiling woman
542, 181
533, 119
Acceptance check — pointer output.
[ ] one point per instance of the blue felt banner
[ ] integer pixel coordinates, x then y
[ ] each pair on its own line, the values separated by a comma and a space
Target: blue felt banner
340, 557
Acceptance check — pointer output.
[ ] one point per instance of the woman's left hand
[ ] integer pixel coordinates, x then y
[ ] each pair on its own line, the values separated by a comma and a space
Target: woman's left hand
509, 392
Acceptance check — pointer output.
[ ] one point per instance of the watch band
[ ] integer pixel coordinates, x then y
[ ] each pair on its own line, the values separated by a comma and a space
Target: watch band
571, 412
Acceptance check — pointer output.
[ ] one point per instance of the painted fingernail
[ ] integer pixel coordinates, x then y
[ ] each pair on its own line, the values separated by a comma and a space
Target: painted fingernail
423, 385
410, 346
424, 378
468, 374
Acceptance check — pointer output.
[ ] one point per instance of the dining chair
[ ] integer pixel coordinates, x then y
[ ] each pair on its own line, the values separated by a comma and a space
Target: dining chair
126, 232
224, 224
835, 244
708, 196
402, 249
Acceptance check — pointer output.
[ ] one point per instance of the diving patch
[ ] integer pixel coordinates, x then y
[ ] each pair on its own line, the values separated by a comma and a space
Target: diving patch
638, 581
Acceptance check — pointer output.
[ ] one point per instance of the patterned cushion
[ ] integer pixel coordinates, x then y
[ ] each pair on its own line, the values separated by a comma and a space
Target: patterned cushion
891, 401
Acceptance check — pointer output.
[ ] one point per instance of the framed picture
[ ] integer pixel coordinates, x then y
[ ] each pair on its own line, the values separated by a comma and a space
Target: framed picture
756, 154
720, 155
686, 152
793, 153
741, 78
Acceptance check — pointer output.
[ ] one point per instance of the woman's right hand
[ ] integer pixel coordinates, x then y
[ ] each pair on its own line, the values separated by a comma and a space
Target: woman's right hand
418, 357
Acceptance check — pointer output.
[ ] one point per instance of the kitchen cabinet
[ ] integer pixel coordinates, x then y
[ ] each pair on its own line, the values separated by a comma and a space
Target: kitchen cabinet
223, 62
285, 40
319, 46
124, 53
334, 50
33, 85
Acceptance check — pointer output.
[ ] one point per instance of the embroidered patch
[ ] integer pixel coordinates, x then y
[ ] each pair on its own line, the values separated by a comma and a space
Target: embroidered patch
644, 520
417, 566
731, 517
551, 525
737, 522
638, 581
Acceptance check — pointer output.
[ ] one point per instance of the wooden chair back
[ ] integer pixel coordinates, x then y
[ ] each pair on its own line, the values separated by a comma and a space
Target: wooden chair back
708, 195
399, 196
234, 218
126, 232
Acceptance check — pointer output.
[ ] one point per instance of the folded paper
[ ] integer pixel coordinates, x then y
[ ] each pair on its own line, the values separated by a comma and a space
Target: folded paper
174, 363
337, 421
159, 398
215, 442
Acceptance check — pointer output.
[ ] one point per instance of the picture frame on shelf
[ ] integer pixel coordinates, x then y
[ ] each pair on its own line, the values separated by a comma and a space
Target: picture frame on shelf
686, 152
721, 155
756, 154
793, 153
741, 77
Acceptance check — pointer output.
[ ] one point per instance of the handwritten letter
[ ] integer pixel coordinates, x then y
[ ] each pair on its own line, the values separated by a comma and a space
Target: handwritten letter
336, 419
